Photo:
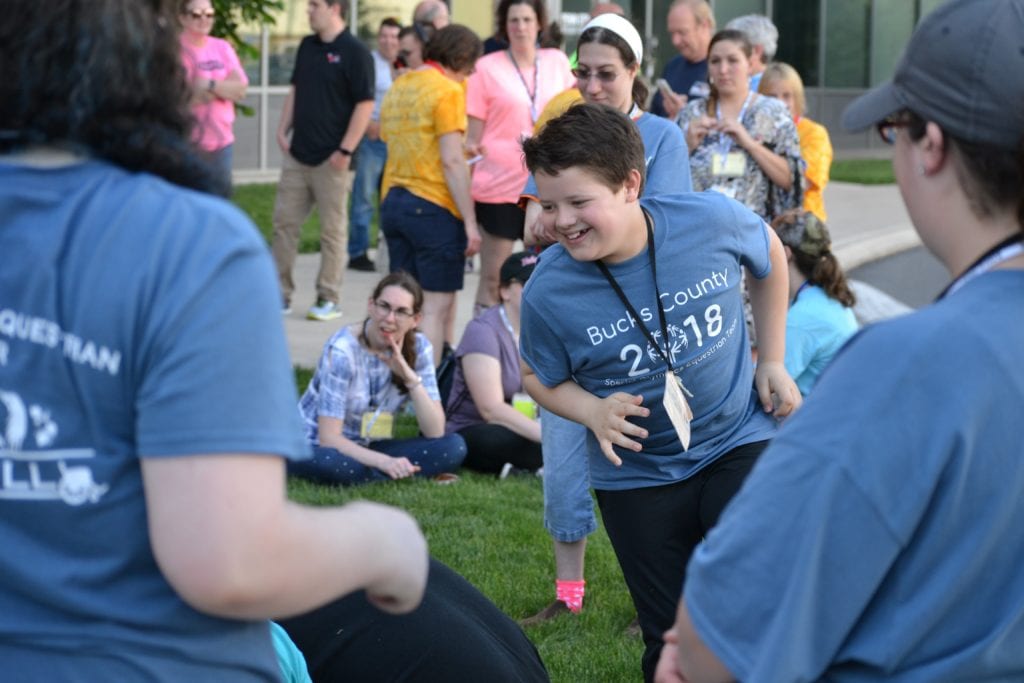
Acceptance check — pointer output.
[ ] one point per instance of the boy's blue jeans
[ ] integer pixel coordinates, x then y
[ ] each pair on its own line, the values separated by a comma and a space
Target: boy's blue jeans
568, 507
370, 158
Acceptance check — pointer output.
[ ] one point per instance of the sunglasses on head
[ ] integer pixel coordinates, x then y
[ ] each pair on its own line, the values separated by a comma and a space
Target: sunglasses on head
201, 14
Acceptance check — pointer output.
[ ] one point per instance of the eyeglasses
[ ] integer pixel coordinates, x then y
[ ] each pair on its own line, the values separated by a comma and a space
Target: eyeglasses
385, 309
887, 128
201, 14
585, 75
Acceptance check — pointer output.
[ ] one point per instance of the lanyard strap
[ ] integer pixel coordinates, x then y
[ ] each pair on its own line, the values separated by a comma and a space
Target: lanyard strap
506, 321
629, 307
531, 95
1004, 251
725, 142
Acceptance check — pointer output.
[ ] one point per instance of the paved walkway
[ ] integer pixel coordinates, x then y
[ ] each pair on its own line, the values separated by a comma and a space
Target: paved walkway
867, 223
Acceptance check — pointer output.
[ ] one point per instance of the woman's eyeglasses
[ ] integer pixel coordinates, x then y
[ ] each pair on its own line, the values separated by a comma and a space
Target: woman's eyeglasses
585, 75
201, 14
385, 309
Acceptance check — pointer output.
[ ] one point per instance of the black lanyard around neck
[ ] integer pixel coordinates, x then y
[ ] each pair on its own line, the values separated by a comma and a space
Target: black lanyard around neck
629, 307
1004, 251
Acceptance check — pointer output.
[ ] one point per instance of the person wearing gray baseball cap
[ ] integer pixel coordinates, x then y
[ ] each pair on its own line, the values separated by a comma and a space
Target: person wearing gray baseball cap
879, 536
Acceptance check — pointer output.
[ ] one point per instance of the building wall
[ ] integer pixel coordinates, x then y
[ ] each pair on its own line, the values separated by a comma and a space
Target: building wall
840, 47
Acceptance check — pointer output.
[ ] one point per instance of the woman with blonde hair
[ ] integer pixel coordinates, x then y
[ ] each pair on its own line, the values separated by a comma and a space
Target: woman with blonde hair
782, 81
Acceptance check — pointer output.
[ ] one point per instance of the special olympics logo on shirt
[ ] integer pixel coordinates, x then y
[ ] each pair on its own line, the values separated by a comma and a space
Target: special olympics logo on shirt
333, 58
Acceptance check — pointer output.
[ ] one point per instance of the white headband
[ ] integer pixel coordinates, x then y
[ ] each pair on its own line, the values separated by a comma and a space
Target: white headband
621, 27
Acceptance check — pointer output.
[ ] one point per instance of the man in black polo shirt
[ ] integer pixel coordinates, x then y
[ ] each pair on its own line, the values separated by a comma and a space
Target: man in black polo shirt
327, 110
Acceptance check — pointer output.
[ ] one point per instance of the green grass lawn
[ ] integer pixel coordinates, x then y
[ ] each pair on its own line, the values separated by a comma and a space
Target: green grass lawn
258, 201
492, 533
863, 171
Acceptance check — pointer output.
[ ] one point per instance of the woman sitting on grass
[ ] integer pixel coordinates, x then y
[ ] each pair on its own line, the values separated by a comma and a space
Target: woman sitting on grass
368, 372
820, 316
487, 379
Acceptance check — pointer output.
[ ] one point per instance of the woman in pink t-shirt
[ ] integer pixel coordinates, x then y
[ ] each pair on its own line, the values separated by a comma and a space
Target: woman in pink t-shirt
217, 78
503, 100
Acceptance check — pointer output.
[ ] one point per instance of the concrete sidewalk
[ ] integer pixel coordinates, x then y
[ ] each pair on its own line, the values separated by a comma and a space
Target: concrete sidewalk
867, 223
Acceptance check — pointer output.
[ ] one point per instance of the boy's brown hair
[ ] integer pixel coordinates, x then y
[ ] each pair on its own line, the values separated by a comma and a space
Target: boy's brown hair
594, 137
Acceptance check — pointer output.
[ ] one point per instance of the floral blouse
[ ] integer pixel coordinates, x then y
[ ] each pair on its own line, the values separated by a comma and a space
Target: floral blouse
767, 120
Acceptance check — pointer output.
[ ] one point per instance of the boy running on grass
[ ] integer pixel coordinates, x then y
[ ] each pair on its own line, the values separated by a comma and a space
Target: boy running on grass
632, 289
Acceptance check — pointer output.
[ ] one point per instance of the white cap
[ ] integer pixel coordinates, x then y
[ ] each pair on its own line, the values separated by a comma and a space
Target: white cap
621, 27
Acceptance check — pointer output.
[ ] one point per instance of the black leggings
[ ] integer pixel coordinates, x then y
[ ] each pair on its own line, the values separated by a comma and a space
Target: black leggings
456, 634
490, 446
655, 530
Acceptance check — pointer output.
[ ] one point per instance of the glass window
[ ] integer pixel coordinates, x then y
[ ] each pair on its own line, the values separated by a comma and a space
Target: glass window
730, 9
846, 50
892, 22
799, 38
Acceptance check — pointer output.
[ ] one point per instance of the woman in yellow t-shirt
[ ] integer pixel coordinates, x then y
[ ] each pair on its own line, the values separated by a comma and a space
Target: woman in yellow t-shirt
427, 212
782, 81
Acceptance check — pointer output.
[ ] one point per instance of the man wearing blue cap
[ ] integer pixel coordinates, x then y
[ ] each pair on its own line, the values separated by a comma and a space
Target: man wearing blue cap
880, 536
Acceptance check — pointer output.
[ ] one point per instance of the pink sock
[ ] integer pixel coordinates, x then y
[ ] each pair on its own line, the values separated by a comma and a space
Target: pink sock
571, 593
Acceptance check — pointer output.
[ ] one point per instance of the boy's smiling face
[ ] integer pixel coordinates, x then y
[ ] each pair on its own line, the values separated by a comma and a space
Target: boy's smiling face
592, 220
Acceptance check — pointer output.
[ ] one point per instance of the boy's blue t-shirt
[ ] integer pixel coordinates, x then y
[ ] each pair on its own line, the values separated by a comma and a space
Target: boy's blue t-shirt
879, 536
665, 154
136, 319
574, 327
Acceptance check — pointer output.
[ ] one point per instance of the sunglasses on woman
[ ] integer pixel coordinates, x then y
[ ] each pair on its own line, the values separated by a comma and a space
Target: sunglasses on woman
201, 14
585, 75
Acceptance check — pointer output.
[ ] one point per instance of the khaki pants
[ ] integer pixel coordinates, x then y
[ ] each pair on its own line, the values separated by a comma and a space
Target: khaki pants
299, 188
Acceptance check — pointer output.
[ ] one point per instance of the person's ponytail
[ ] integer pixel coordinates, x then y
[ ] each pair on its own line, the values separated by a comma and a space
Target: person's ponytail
828, 274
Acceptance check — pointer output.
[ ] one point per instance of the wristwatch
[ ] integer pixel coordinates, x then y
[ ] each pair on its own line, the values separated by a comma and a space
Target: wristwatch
212, 85
345, 152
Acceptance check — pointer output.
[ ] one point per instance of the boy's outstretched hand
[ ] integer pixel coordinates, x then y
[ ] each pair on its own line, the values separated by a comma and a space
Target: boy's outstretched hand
610, 426
776, 389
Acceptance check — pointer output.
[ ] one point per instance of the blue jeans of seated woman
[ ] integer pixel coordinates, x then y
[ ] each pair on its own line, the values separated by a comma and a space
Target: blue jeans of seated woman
434, 456
568, 507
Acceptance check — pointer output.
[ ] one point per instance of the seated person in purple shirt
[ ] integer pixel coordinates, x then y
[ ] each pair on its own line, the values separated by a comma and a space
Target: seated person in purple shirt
483, 406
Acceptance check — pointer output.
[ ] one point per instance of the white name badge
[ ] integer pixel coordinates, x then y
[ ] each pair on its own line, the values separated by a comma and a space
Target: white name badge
376, 425
730, 165
678, 408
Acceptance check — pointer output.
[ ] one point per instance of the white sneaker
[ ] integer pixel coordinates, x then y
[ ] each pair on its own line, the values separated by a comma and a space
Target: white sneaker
324, 310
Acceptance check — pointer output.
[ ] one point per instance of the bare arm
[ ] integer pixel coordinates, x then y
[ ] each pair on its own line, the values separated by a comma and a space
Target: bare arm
769, 302
233, 88
353, 134
456, 175
483, 379
605, 417
231, 544
474, 134
685, 658
774, 166
534, 231
284, 126
331, 435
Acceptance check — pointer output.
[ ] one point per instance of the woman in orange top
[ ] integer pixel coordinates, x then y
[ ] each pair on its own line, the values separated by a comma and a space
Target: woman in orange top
427, 214
782, 81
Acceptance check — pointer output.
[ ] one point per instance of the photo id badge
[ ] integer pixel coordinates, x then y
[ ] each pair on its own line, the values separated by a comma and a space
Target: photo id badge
377, 425
678, 408
729, 165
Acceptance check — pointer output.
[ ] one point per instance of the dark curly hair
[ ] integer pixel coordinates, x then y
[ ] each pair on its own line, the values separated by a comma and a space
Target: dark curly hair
104, 78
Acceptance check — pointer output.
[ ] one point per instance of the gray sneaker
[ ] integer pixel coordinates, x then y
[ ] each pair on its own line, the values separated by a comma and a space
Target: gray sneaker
324, 310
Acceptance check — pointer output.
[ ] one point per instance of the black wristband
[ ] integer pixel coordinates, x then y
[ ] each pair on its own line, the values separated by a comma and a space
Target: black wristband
346, 152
